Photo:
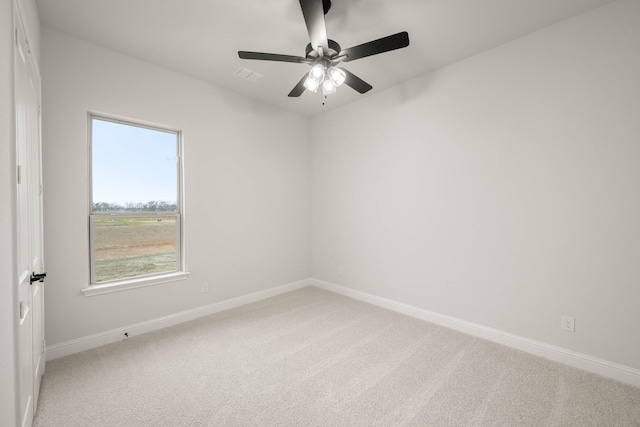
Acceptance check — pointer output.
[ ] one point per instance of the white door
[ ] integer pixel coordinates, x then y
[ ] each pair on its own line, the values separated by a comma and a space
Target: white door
29, 226
36, 229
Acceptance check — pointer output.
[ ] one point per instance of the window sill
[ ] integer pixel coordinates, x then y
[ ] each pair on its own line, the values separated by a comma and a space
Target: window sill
124, 285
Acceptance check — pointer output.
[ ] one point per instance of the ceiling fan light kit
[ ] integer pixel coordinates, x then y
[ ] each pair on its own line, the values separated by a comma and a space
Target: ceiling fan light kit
324, 55
330, 79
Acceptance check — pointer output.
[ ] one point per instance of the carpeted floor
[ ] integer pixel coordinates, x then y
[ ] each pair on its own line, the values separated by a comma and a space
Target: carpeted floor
314, 358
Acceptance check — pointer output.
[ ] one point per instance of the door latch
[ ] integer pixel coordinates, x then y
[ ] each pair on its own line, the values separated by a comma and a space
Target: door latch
37, 277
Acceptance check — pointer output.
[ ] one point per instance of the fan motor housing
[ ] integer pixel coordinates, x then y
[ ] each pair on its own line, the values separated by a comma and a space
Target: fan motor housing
334, 49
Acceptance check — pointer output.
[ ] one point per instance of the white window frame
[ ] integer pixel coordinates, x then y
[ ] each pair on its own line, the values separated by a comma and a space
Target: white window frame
148, 279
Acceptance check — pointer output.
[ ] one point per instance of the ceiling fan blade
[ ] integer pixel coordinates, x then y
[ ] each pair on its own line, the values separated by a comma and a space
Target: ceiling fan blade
385, 44
313, 13
299, 88
356, 82
272, 57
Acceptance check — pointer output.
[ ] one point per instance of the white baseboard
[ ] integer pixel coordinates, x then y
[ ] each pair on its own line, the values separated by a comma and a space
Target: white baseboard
96, 340
585, 362
577, 360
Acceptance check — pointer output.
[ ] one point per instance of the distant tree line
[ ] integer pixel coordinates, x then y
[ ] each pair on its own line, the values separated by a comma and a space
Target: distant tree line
151, 206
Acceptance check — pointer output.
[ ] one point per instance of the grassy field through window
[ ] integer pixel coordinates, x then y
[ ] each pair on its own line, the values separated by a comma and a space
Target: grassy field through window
130, 247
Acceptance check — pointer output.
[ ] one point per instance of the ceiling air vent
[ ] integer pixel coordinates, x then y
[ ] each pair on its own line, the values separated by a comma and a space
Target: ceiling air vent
247, 74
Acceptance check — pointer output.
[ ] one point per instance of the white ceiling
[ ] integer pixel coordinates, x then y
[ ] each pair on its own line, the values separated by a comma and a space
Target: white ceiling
200, 38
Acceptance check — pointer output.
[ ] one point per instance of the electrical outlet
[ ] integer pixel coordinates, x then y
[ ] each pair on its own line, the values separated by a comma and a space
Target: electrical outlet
205, 287
568, 323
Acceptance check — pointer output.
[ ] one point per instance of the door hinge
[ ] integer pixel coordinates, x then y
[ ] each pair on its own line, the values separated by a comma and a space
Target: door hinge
44, 346
19, 174
17, 42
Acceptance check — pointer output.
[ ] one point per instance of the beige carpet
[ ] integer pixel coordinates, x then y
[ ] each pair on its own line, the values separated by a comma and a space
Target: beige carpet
314, 358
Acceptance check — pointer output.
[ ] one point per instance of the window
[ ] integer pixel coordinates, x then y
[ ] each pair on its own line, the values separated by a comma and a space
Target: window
135, 221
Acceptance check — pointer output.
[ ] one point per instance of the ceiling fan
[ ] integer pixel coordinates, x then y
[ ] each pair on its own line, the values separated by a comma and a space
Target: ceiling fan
324, 55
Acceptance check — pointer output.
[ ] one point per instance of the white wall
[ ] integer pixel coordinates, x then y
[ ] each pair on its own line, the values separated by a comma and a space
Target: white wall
246, 177
503, 190
8, 280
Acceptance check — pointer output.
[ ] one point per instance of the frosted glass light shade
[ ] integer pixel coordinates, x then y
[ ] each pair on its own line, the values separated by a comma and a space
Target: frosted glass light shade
311, 84
317, 72
328, 87
337, 76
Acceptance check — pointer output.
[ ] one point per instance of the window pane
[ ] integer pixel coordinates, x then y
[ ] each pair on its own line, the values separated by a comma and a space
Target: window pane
129, 247
134, 169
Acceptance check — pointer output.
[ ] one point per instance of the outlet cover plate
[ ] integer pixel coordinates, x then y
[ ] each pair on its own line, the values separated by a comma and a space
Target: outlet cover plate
568, 323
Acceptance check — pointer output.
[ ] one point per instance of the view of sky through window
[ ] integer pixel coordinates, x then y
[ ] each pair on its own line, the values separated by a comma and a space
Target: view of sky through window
133, 165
